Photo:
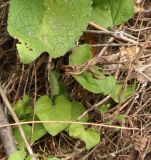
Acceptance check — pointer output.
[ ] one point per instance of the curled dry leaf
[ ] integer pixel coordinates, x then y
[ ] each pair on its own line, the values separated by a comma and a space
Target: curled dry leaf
141, 144
144, 77
129, 53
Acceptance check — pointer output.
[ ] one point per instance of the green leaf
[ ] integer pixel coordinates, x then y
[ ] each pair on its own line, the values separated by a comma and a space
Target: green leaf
108, 13
103, 85
104, 108
22, 107
47, 111
121, 117
29, 158
18, 155
47, 26
116, 93
76, 130
77, 110
55, 86
90, 136
129, 90
81, 54
38, 132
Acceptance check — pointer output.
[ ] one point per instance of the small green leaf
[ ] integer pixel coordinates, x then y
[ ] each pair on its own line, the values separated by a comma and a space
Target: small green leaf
77, 110
29, 158
55, 86
38, 132
121, 117
104, 108
129, 90
22, 107
108, 13
81, 54
47, 26
90, 136
117, 92
105, 84
60, 111
76, 130
18, 155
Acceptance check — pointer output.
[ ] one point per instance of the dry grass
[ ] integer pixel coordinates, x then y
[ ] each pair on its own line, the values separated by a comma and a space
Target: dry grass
123, 144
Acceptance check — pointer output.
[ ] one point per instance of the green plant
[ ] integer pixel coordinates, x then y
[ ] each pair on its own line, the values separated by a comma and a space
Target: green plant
24, 111
109, 13
20, 155
54, 26
101, 84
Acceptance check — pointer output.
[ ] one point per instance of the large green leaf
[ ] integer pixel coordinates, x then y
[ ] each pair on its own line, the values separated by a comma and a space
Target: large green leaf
47, 111
47, 25
90, 136
18, 155
108, 13
105, 84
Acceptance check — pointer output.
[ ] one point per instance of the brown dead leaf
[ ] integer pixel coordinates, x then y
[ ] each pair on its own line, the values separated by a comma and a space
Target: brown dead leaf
129, 53
140, 145
138, 5
142, 78
132, 156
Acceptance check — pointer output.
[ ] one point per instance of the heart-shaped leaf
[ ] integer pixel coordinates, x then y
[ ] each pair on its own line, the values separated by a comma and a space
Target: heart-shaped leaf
47, 111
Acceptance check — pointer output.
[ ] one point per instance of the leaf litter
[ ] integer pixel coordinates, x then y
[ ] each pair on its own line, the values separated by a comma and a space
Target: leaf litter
114, 144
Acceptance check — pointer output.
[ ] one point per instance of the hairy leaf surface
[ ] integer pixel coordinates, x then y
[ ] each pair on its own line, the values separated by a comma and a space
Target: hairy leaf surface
47, 26
108, 13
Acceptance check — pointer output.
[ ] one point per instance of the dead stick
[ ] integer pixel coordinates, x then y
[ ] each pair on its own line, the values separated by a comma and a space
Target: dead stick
6, 135
8, 105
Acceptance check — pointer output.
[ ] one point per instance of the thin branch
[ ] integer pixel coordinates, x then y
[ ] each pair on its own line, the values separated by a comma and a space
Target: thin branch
119, 36
6, 134
8, 105
73, 122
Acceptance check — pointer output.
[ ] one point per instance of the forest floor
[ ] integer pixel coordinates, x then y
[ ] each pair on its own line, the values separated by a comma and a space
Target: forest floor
133, 141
